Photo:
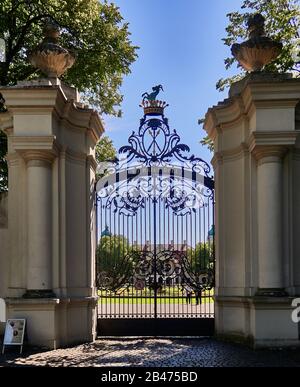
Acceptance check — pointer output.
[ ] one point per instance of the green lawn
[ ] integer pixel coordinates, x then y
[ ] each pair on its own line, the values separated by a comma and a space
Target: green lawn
174, 296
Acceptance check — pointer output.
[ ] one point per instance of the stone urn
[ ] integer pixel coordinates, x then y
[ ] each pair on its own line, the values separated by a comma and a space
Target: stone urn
259, 50
49, 57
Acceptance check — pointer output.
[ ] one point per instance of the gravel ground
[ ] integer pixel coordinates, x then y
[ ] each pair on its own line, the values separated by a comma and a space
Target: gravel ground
154, 353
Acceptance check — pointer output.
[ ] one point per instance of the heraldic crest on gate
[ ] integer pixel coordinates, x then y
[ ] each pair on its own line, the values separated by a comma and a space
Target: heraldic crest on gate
155, 221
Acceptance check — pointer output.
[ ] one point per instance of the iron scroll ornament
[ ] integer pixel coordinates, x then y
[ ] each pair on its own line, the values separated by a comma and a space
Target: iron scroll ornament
167, 266
154, 149
164, 146
155, 165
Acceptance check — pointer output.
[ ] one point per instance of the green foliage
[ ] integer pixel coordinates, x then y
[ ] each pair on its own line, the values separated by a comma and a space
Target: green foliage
105, 150
282, 24
111, 252
201, 257
206, 141
94, 30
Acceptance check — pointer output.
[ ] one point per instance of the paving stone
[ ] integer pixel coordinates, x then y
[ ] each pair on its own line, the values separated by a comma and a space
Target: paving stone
155, 353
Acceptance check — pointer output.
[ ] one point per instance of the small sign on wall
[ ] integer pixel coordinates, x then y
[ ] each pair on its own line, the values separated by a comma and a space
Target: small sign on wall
14, 333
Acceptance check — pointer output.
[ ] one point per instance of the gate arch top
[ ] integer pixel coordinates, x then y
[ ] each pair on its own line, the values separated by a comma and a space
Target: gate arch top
154, 152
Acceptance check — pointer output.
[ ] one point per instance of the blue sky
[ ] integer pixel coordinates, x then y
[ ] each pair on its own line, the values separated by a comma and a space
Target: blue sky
180, 48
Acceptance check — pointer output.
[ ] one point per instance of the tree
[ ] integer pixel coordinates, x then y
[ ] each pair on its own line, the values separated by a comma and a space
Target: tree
114, 261
201, 257
282, 24
94, 30
111, 250
105, 150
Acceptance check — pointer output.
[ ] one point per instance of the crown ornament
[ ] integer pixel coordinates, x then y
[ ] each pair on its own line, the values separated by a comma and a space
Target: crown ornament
152, 106
49, 57
259, 50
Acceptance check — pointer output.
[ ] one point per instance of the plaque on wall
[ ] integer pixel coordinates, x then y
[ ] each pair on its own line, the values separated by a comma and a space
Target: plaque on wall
14, 333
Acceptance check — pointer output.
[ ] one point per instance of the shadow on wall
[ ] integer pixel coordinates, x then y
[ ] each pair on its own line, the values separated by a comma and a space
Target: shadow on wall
3, 255
3, 209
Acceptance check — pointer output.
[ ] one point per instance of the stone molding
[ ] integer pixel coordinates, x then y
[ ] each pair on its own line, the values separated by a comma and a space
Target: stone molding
43, 99
231, 154
35, 158
296, 154
24, 143
6, 123
51, 301
262, 301
259, 93
13, 159
270, 147
92, 162
269, 153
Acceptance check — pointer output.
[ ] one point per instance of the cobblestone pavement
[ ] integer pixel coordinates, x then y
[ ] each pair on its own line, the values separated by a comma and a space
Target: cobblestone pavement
155, 353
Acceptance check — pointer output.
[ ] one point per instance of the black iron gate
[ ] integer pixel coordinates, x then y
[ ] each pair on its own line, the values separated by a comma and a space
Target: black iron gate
155, 232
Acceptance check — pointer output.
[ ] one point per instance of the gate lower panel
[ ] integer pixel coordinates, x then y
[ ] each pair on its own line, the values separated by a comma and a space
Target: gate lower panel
156, 327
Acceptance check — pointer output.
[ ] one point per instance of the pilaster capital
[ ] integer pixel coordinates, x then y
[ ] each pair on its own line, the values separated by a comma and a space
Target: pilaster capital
39, 158
271, 146
269, 153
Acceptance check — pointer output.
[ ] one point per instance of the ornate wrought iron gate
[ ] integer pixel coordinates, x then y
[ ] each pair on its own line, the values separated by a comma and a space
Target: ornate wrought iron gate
155, 232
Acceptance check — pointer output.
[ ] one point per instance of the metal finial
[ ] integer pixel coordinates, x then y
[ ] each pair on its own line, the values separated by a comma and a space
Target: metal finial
152, 106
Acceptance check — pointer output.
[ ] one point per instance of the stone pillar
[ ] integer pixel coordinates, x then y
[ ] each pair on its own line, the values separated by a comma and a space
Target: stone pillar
256, 142
51, 212
269, 219
39, 197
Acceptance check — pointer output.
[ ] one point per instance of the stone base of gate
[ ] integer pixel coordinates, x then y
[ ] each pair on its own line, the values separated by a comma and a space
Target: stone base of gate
260, 322
52, 322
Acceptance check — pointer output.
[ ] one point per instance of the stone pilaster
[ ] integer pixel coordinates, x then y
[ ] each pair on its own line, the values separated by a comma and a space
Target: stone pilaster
255, 133
51, 252
39, 234
269, 219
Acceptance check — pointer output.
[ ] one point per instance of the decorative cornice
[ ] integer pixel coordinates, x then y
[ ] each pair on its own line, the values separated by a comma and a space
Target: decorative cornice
231, 154
253, 92
266, 138
271, 147
39, 148
228, 111
13, 159
78, 157
269, 153
6, 121
40, 99
24, 143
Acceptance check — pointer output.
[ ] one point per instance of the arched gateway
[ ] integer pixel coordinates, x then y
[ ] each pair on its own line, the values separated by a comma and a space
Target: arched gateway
155, 233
